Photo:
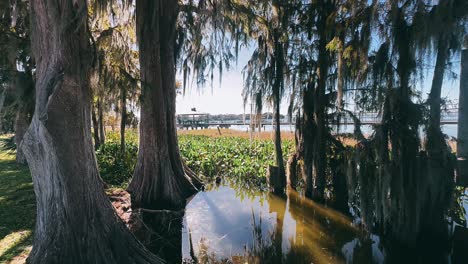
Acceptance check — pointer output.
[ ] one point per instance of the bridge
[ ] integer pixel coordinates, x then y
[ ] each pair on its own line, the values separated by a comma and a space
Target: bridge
202, 121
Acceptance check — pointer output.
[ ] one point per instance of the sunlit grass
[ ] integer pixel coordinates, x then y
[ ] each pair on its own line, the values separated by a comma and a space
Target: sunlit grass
14, 244
17, 207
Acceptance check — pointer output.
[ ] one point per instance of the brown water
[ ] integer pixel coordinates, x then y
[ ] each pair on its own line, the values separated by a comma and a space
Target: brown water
231, 225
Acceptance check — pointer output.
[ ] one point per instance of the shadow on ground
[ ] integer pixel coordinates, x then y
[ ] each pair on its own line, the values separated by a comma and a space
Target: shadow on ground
17, 205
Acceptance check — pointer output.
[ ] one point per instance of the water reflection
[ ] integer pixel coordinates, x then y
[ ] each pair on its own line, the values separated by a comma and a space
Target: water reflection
228, 225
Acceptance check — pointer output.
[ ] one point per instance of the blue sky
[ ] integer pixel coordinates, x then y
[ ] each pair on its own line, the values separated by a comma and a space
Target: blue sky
227, 97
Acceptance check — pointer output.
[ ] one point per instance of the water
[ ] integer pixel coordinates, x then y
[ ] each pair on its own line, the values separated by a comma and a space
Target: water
229, 225
449, 129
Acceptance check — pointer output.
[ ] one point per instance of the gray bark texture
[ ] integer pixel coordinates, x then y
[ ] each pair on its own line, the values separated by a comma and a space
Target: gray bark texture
159, 180
75, 220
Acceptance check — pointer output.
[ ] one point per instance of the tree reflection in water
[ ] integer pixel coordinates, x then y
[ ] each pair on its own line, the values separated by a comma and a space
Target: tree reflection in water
226, 224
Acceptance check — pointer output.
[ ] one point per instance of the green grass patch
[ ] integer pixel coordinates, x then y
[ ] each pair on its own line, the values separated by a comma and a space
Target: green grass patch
17, 204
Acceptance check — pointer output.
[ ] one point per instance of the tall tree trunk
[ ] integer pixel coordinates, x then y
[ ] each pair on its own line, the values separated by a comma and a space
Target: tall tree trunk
319, 164
159, 180
75, 220
102, 129
308, 139
462, 143
123, 118
94, 119
438, 182
278, 85
438, 78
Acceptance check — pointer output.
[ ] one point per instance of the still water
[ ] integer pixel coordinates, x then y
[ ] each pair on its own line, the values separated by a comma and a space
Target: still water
229, 224
448, 129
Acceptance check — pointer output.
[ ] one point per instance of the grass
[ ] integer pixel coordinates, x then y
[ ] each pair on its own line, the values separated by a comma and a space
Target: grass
17, 206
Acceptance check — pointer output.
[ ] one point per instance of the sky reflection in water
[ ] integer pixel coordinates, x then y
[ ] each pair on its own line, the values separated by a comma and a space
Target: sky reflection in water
227, 223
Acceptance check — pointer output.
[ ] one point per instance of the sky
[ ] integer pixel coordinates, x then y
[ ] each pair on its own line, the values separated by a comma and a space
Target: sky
219, 99
226, 98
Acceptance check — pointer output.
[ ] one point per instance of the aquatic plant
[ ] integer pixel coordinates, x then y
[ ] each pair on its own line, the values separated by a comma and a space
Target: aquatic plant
234, 157
230, 156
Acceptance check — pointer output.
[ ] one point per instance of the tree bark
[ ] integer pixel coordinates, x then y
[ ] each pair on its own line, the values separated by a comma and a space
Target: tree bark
123, 118
438, 78
308, 139
319, 164
75, 220
277, 86
94, 119
159, 180
102, 129
462, 143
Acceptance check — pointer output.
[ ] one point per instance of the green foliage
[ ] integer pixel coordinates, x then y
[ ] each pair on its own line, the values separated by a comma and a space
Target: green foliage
232, 157
131, 136
117, 169
210, 157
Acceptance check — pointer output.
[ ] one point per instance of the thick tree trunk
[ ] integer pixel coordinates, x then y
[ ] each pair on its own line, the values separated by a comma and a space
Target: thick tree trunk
308, 138
102, 129
97, 141
319, 164
295, 169
159, 180
75, 220
123, 118
462, 143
